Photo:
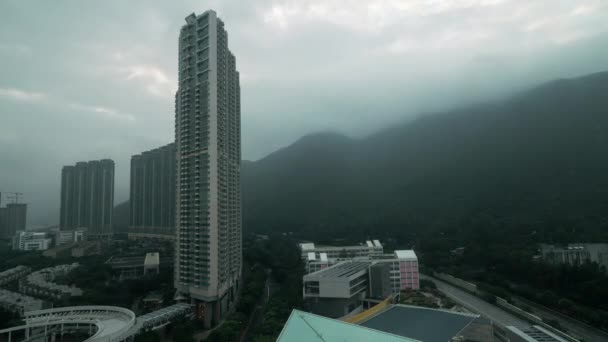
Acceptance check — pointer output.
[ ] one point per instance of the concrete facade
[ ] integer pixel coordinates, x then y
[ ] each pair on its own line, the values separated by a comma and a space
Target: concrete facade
63, 237
380, 281
40, 283
576, 253
18, 303
402, 264
152, 194
208, 151
87, 197
337, 290
13, 218
13, 274
31, 241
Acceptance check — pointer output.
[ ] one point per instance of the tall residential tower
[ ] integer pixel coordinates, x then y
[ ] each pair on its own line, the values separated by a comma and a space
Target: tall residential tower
152, 199
12, 219
87, 197
208, 146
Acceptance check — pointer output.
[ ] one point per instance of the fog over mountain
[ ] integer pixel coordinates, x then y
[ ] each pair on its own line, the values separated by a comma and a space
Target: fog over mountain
96, 80
537, 160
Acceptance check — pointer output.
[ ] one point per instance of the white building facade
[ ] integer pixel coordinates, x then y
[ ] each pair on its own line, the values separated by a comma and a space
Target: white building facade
31, 241
208, 151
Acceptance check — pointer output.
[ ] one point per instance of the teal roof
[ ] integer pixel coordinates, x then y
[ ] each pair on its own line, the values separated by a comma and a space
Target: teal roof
304, 326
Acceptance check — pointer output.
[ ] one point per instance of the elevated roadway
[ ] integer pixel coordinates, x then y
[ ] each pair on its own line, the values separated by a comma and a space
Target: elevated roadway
99, 323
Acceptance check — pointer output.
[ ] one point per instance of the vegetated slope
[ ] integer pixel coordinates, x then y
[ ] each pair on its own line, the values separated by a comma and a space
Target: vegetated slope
538, 158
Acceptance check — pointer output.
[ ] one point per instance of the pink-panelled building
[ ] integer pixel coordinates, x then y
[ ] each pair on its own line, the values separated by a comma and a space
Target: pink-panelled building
408, 270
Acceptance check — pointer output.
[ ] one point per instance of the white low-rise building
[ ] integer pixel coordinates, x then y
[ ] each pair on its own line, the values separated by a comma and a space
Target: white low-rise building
339, 286
403, 264
337, 290
63, 237
13, 274
575, 254
40, 283
18, 303
31, 241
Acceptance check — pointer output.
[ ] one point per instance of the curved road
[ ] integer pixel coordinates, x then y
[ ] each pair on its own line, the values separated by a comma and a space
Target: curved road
478, 305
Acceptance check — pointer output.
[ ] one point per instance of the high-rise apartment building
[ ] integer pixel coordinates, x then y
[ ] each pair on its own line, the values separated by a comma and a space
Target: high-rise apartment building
16, 215
12, 218
87, 197
3, 225
208, 146
152, 200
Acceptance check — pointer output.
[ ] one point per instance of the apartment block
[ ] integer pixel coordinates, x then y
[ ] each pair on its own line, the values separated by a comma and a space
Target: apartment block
31, 241
152, 194
87, 198
208, 152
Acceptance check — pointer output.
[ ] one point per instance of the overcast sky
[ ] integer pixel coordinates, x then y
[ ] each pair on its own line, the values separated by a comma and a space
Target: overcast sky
96, 79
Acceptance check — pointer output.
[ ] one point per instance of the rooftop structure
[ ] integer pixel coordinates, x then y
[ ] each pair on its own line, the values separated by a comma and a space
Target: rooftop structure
18, 303
423, 324
152, 194
304, 326
13, 274
368, 249
136, 266
31, 241
337, 290
406, 255
576, 253
40, 283
69, 236
75, 249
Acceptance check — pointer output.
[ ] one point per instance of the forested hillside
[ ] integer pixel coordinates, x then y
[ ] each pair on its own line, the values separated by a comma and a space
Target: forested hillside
538, 159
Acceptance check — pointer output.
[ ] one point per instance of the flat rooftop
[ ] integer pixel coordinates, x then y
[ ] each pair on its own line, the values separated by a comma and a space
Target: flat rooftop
406, 254
304, 326
127, 262
344, 269
423, 324
369, 244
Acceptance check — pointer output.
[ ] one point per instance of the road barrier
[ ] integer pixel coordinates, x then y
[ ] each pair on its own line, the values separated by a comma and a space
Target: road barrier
504, 304
465, 285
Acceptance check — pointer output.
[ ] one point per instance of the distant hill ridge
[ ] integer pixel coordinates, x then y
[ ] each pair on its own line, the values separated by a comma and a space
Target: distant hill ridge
540, 156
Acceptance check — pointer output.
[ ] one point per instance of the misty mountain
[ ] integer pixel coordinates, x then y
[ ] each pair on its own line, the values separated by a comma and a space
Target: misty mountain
539, 159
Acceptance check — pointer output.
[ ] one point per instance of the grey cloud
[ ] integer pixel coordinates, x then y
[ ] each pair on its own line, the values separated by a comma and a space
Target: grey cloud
89, 80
